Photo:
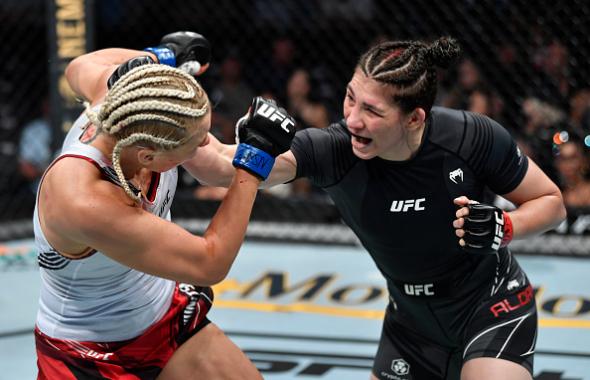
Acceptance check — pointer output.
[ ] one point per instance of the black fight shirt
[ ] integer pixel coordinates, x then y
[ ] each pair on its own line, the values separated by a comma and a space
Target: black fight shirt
402, 211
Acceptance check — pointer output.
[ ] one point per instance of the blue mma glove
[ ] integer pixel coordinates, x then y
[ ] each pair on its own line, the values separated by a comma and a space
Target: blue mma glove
263, 134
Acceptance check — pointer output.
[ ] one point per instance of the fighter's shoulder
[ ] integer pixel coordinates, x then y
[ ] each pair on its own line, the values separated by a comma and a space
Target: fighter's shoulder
77, 193
339, 127
339, 132
324, 154
336, 130
62, 185
447, 128
461, 131
322, 138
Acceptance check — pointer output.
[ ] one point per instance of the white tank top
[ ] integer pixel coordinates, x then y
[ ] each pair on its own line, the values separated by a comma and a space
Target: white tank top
94, 298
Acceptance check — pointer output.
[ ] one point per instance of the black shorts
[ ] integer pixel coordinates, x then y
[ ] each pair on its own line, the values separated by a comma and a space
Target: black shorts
440, 338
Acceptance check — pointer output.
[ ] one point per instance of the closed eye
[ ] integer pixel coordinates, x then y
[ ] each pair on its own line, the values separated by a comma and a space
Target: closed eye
373, 111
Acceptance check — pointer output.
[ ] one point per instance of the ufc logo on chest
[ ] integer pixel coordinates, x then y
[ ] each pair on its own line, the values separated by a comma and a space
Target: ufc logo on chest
408, 205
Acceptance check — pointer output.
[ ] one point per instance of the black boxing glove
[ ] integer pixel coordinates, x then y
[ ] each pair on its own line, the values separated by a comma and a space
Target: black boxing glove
487, 229
127, 66
266, 131
189, 51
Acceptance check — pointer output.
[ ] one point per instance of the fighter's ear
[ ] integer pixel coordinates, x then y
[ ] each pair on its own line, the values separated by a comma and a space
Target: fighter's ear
416, 118
145, 155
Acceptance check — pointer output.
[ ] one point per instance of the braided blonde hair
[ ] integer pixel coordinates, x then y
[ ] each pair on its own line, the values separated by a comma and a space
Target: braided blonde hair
154, 104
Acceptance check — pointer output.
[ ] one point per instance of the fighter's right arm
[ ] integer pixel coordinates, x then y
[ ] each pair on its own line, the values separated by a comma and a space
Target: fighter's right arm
88, 74
95, 213
212, 165
91, 212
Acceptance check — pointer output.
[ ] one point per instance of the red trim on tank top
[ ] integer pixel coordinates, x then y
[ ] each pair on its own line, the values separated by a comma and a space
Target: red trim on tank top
153, 190
75, 156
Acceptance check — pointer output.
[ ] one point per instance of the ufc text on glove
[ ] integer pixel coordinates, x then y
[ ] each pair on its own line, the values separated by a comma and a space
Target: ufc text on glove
487, 229
263, 134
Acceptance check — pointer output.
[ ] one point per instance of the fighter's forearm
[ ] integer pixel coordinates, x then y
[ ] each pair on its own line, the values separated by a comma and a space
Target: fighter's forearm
87, 74
212, 164
537, 216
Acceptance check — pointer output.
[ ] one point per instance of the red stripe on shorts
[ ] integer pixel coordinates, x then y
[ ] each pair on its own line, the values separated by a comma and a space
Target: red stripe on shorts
139, 358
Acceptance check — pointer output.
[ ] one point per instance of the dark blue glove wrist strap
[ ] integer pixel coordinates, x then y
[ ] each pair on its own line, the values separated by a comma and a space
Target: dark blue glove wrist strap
254, 160
165, 55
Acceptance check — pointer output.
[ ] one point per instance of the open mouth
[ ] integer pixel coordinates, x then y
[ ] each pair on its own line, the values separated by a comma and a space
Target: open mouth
361, 139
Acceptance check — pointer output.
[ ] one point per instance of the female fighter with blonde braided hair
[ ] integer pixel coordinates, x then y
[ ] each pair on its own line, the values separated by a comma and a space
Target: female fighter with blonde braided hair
162, 102
125, 292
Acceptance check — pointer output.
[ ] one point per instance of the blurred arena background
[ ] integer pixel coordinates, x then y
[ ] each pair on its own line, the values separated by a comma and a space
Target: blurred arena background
525, 64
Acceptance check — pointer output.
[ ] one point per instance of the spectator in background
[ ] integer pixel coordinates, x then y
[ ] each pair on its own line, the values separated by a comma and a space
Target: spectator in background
510, 80
34, 153
233, 95
271, 75
542, 121
10, 180
303, 102
472, 93
551, 63
284, 15
468, 79
579, 115
572, 165
348, 10
304, 105
541, 117
480, 101
483, 101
